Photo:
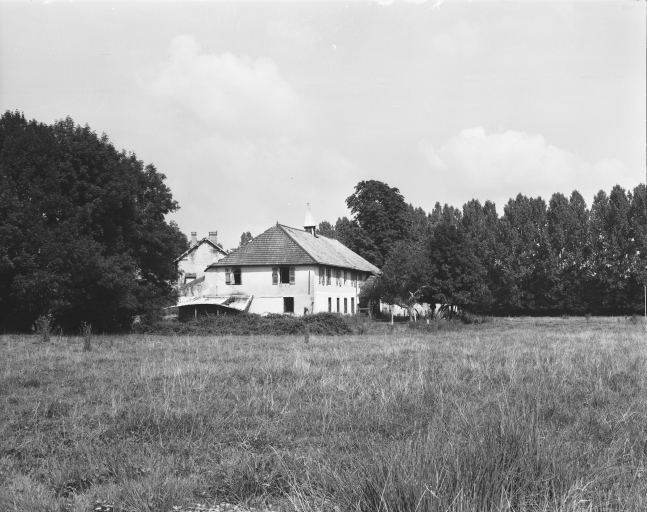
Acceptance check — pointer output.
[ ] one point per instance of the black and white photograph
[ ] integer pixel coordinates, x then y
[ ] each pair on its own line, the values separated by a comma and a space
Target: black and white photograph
323, 255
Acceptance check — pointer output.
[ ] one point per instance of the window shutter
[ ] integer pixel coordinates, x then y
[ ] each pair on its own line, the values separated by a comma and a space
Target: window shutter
291, 275
227, 275
275, 275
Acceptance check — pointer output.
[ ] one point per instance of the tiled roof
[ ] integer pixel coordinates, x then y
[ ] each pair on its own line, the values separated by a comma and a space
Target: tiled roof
283, 245
272, 247
328, 251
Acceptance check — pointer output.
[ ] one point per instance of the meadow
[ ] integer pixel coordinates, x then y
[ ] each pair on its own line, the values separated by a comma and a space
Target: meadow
514, 414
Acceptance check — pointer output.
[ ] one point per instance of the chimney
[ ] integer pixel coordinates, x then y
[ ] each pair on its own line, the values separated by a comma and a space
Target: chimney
309, 222
194, 239
213, 237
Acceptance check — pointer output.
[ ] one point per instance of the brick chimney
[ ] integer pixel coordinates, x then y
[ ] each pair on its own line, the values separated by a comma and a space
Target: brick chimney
213, 237
194, 238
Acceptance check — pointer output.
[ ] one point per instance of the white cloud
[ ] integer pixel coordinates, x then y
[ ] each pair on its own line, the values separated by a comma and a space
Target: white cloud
250, 160
498, 166
232, 93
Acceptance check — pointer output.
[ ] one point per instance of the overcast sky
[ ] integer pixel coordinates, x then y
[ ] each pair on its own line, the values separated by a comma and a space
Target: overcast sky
253, 109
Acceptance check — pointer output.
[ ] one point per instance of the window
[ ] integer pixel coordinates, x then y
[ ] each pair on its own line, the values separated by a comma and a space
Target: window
352, 305
328, 274
329, 305
233, 275
337, 304
283, 275
338, 277
288, 304
322, 275
345, 306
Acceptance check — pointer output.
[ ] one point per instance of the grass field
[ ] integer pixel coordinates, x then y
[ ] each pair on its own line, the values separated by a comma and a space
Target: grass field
522, 414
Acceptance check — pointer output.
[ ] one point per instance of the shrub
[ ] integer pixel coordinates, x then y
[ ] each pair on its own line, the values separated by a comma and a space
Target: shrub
249, 324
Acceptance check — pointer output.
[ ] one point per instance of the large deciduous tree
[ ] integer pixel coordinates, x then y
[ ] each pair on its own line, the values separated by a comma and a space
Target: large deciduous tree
381, 213
83, 234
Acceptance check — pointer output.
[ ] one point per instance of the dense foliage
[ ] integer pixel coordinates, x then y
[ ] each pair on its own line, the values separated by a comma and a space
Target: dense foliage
83, 235
535, 259
247, 323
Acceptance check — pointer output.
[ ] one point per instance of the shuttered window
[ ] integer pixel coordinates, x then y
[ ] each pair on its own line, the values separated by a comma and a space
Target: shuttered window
352, 305
345, 306
283, 275
227, 275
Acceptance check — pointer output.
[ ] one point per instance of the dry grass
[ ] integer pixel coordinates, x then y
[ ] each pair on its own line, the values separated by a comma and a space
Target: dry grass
523, 414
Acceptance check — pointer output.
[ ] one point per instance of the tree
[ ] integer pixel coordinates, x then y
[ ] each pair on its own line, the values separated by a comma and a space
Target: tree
83, 235
525, 259
456, 276
326, 229
568, 237
479, 225
405, 273
353, 236
382, 214
638, 224
614, 287
245, 238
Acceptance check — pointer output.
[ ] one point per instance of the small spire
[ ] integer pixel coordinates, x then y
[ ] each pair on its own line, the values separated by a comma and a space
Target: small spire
309, 222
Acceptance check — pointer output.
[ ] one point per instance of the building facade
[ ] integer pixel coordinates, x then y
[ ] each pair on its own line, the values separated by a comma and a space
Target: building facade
284, 270
192, 263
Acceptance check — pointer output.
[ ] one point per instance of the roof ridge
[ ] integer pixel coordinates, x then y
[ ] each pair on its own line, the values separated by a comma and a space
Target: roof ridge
304, 231
296, 242
197, 244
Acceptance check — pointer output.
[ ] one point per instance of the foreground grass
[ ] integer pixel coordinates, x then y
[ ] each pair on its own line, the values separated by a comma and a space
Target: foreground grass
534, 414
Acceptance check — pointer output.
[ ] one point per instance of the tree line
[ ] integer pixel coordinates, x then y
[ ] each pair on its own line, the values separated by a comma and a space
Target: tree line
537, 258
83, 235
84, 240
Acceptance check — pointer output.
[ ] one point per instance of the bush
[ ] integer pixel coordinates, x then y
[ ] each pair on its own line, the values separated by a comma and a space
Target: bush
247, 324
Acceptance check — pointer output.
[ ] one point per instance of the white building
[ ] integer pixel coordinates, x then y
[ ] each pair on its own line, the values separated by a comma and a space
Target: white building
192, 263
283, 270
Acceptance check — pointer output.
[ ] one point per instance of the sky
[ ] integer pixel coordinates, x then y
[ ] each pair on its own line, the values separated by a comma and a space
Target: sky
253, 109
